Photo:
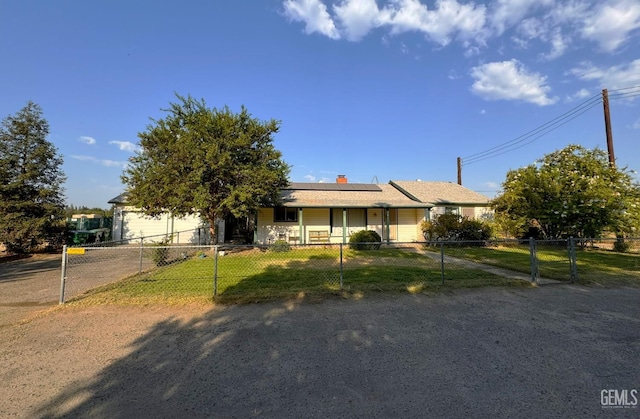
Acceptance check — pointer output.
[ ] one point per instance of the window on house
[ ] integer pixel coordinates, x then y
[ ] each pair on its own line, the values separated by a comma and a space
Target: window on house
284, 214
451, 210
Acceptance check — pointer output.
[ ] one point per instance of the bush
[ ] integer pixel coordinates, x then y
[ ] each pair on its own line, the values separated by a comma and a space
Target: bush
280, 246
621, 246
365, 240
160, 252
452, 227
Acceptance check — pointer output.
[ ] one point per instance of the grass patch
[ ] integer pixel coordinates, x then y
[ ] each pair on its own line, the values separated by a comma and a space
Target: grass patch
594, 266
257, 275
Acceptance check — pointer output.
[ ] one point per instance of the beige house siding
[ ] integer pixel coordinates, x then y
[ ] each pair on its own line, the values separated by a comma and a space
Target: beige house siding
374, 220
404, 224
408, 219
315, 219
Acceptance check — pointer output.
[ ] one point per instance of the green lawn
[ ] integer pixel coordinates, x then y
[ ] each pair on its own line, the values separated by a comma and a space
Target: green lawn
594, 266
256, 275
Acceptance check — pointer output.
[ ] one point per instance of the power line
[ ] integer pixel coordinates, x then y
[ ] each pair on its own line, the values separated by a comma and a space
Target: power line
540, 133
625, 88
536, 133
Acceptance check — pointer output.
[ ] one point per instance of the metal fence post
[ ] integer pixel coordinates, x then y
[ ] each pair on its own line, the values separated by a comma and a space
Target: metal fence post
573, 262
534, 260
341, 268
215, 270
442, 261
141, 246
63, 274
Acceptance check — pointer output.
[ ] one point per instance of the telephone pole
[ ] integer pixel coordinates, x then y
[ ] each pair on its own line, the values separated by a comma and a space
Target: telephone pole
459, 171
607, 127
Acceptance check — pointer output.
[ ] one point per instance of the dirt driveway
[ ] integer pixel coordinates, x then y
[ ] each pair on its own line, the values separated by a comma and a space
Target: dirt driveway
27, 286
541, 352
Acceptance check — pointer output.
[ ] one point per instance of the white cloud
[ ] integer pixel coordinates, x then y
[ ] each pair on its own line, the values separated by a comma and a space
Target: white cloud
559, 45
125, 145
580, 94
558, 23
314, 14
506, 13
636, 125
356, 18
87, 140
614, 77
448, 20
510, 80
610, 23
106, 163
310, 178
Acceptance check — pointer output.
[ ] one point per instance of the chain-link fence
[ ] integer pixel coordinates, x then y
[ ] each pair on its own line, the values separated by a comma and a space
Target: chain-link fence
157, 270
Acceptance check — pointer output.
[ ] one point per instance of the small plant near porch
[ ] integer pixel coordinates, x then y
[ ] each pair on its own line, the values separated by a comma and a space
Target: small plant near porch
365, 240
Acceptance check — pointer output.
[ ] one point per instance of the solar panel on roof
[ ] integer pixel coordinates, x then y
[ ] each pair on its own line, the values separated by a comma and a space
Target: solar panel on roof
363, 187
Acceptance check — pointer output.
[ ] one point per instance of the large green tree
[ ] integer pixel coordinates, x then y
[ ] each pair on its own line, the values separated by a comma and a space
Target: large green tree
211, 162
571, 192
31, 178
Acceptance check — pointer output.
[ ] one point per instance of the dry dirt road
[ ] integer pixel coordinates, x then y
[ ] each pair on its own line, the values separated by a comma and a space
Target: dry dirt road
541, 352
27, 286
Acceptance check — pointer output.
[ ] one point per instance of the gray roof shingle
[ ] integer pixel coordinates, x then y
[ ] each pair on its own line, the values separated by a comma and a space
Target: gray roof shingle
386, 196
439, 193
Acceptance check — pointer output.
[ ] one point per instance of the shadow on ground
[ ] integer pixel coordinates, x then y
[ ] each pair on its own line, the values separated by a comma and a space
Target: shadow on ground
485, 353
21, 269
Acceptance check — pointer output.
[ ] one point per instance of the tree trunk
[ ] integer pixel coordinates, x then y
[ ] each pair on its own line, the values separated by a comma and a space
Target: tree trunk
213, 228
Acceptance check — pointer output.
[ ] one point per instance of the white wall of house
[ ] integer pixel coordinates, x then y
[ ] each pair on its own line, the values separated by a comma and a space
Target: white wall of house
129, 223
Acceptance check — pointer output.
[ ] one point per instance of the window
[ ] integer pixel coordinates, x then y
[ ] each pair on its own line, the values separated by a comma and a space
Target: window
452, 210
284, 214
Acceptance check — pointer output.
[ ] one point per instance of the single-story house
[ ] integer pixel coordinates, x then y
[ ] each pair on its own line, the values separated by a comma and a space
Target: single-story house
331, 212
130, 223
324, 213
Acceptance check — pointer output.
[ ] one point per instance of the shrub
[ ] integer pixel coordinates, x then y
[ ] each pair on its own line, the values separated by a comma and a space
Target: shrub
365, 240
160, 252
621, 246
455, 227
280, 246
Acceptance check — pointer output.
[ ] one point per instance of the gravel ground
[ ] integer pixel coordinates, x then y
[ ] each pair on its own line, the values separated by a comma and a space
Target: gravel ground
541, 352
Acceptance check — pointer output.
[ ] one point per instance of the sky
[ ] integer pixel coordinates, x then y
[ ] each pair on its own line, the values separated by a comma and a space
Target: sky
373, 90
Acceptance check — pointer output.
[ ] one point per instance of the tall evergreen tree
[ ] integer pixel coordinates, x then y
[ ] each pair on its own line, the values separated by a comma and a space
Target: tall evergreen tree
211, 162
31, 178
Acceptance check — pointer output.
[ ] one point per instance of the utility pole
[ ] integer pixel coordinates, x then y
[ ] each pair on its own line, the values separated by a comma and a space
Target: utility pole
607, 127
459, 171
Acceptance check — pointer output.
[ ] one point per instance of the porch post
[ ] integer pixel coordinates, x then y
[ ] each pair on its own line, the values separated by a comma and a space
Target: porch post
388, 222
344, 225
300, 227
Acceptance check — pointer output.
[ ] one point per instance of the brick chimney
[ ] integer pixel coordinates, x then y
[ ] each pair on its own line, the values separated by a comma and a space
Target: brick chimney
341, 179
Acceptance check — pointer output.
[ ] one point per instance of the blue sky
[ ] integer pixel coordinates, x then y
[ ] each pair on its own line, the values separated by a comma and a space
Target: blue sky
386, 90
